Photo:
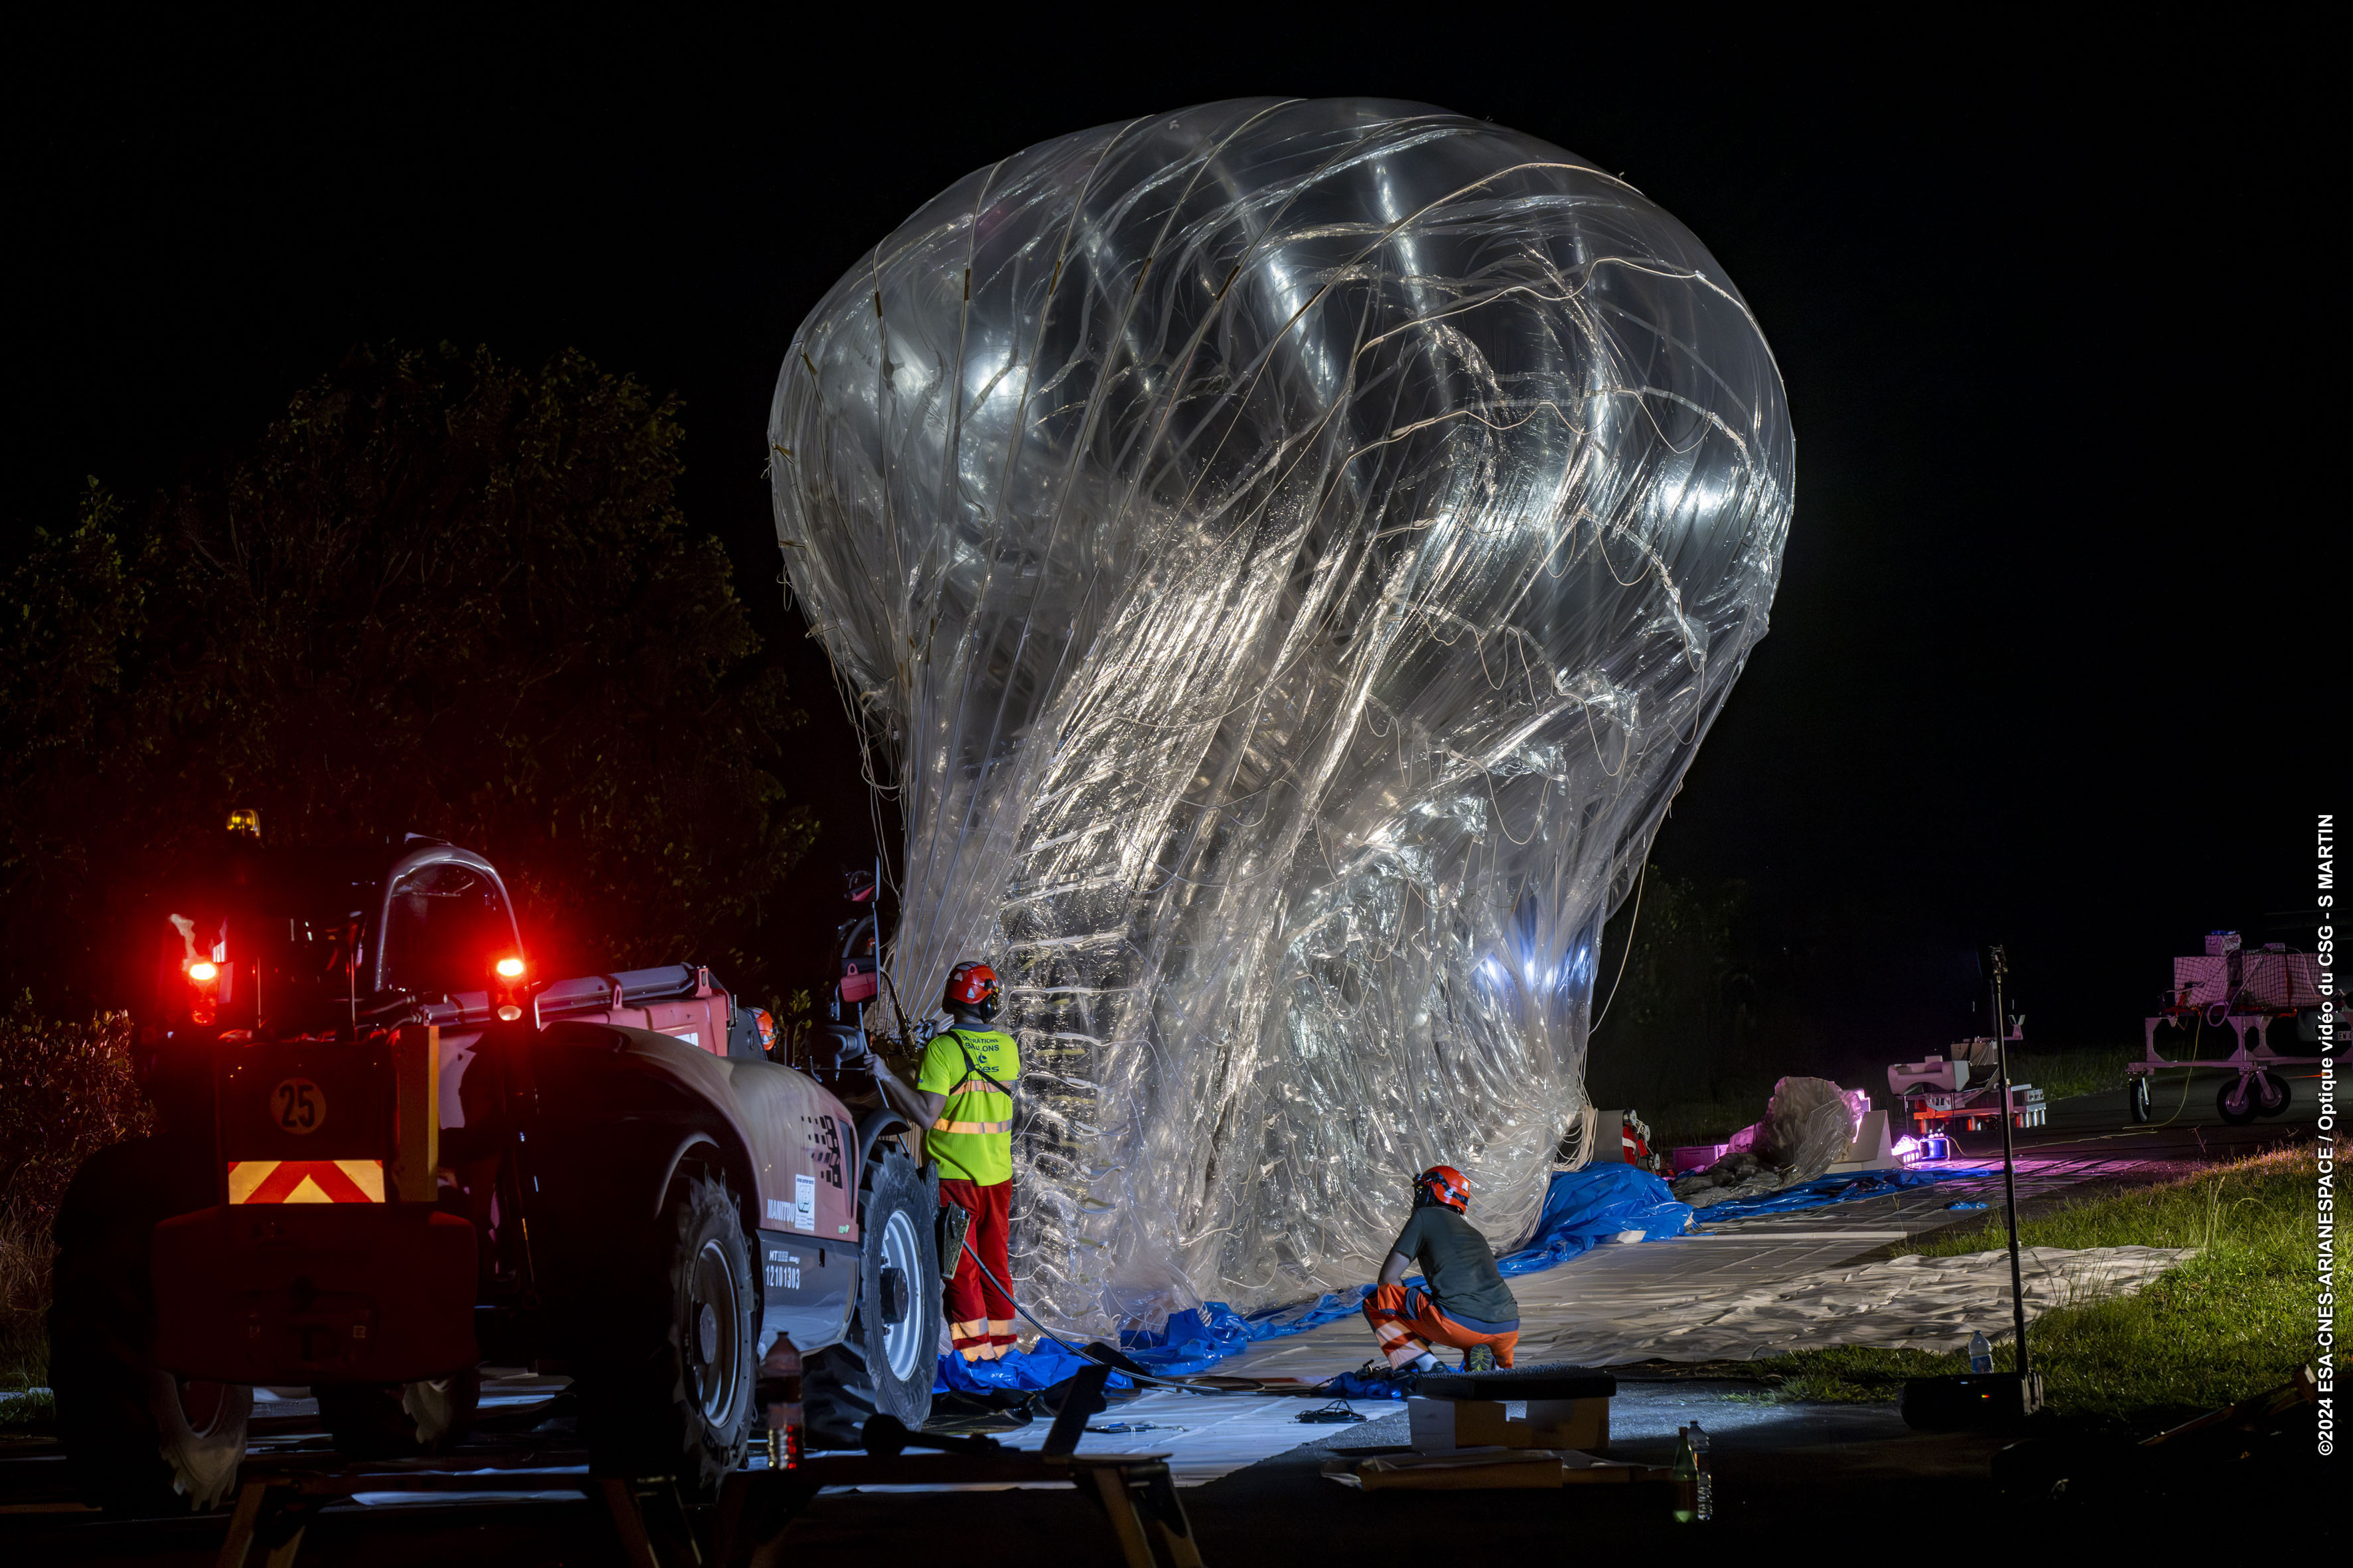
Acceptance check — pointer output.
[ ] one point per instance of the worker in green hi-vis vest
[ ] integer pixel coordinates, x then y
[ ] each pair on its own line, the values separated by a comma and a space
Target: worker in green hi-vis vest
964, 1095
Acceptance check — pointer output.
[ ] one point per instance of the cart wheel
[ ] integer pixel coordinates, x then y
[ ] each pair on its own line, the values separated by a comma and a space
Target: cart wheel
2137, 1098
2236, 1100
2271, 1092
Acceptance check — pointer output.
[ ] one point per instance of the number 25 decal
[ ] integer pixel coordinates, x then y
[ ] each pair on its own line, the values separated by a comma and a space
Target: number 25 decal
299, 1105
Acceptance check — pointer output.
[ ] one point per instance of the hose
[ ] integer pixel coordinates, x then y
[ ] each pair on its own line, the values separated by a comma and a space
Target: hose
2190, 1070
1130, 1370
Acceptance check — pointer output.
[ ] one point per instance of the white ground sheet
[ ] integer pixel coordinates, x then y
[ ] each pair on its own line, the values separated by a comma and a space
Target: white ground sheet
1924, 1303
1203, 1437
1731, 1290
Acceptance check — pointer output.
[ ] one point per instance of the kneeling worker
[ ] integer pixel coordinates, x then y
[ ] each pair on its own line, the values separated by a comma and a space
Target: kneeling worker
1467, 1306
963, 1096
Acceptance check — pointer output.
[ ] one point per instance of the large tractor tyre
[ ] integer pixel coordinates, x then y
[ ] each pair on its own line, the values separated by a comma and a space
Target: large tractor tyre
892, 1354
398, 1420
670, 1392
139, 1443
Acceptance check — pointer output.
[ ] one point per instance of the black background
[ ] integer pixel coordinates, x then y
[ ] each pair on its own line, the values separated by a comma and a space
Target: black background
2048, 662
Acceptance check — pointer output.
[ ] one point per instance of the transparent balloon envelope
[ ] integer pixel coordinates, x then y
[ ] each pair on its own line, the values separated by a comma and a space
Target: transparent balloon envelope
1283, 556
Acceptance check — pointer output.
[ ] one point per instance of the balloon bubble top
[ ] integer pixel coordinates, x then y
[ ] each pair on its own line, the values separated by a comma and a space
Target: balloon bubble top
1284, 556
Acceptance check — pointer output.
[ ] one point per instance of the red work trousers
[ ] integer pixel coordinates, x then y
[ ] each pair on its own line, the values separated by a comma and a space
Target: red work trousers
1408, 1323
980, 1316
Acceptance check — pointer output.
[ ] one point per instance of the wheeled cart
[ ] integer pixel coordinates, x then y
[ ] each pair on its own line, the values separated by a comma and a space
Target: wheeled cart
1943, 1111
2247, 992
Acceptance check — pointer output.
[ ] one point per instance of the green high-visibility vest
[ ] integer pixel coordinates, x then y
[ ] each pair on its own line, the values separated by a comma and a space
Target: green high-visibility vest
972, 1139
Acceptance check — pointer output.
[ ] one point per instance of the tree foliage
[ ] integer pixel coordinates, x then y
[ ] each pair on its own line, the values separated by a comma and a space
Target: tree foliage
443, 594
67, 1091
1684, 1014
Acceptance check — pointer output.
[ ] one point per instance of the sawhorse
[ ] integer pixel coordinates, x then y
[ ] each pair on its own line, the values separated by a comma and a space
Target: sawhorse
1134, 1491
1137, 1496
275, 1505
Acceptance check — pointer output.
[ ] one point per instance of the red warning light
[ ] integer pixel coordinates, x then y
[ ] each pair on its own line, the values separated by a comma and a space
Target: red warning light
202, 972
508, 975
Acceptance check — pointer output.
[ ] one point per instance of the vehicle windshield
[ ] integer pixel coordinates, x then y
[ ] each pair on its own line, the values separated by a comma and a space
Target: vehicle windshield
448, 923
287, 945
294, 946
307, 941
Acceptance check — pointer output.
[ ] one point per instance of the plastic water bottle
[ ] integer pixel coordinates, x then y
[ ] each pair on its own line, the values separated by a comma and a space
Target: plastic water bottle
1695, 1485
1980, 1352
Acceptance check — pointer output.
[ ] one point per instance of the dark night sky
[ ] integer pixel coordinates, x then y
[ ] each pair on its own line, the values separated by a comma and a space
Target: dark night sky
2047, 659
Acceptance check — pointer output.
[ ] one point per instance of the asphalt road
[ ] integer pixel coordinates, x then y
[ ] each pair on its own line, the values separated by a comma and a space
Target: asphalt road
1776, 1464
1787, 1475
2185, 1130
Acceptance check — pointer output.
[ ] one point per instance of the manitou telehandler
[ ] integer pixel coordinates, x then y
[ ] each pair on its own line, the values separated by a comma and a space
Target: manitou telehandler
390, 1155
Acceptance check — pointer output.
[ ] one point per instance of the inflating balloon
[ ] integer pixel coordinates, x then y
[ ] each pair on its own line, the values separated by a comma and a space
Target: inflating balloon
1284, 556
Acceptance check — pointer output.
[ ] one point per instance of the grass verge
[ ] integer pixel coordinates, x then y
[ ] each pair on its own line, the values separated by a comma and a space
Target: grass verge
34, 1410
23, 1338
2063, 1075
24, 1300
2233, 1320
2060, 1075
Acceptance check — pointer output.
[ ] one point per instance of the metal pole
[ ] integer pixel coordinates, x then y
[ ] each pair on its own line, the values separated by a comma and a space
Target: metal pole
2009, 1160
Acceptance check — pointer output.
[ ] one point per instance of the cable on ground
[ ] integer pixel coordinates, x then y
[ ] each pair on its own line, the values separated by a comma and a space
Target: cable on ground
1123, 1365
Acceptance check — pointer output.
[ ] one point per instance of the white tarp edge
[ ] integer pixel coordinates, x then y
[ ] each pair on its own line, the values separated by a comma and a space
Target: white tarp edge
1922, 1304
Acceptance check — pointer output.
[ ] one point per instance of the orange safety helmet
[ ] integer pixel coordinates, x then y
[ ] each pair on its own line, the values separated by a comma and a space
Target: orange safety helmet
1443, 1184
972, 987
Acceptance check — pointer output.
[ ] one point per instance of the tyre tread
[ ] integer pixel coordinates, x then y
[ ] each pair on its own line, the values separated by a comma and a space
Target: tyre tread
641, 1418
842, 1388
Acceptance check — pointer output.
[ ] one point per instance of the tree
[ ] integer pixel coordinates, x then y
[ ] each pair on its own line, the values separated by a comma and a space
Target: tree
1684, 1004
443, 594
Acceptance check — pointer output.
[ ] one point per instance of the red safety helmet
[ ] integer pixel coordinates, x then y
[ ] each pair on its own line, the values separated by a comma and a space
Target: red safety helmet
1443, 1184
972, 987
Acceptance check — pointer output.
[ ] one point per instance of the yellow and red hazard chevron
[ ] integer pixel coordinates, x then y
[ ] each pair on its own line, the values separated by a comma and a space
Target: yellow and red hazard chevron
306, 1181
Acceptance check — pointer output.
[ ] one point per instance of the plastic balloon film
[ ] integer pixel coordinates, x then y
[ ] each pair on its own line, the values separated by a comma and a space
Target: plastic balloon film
1284, 554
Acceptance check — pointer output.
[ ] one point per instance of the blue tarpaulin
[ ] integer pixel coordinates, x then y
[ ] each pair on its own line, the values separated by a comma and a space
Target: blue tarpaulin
1825, 1190
1373, 1384
1042, 1366
1584, 1208
1581, 1210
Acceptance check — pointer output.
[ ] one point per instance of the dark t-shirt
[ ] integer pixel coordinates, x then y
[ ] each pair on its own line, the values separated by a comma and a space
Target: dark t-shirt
1459, 1265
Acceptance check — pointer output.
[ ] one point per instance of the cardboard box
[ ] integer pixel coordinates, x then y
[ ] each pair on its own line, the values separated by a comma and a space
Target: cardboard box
1448, 1425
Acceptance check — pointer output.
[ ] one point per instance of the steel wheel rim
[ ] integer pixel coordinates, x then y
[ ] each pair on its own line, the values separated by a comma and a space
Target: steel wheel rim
903, 1341
716, 1378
